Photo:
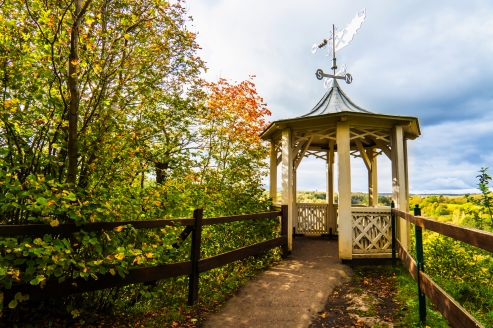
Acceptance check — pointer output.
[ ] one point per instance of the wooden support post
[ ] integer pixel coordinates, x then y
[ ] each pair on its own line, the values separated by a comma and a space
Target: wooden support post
372, 178
294, 207
345, 217
399, 187
392, 218
273, 171
406, 164
193, 284
287, 180
331, 219
420, 266
284, 229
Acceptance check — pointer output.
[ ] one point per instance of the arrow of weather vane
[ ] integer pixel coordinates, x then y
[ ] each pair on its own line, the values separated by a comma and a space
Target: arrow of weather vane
336, 42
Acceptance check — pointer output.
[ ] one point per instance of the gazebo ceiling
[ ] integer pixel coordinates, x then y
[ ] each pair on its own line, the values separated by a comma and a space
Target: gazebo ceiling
335, 107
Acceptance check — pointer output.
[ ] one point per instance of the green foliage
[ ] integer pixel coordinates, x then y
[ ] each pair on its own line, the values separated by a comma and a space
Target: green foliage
357, 198
484, 218
464, 271
152, 141
384, 200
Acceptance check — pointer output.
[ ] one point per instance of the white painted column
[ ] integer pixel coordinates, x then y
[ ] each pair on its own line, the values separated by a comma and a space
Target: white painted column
406, 163
344, 168
287, 181
331, 219
273, 171
294, 208
372, 178
399, 188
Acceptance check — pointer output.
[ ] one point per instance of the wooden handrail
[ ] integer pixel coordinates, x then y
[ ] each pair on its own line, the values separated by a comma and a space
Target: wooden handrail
42, 229
475, 237
147, 274
456, 315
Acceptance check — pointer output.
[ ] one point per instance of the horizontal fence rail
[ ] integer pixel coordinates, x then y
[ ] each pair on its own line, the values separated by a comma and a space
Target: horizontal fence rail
43, 229
456, 315
192, 268
475, 237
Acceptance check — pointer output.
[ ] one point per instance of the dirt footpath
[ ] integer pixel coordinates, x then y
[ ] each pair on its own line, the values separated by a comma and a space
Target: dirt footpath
290, 294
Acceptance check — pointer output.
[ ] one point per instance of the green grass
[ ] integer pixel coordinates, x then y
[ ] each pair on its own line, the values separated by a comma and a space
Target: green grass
407, 295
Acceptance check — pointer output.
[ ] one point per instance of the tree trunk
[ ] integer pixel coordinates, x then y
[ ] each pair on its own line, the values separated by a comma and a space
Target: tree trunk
73, 83
161, 171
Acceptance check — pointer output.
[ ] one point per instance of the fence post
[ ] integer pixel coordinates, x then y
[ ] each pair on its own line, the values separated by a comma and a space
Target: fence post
392, 223
420, 265
193, 279
284, 229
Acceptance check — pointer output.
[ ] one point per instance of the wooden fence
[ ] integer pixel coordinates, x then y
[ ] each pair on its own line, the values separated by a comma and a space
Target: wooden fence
456, 315
191, 268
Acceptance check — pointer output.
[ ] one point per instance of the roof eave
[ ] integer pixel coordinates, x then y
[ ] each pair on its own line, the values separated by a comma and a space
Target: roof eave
281, 124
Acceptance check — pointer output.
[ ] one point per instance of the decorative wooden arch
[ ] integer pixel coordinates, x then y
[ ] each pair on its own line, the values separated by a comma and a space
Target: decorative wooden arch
337, 125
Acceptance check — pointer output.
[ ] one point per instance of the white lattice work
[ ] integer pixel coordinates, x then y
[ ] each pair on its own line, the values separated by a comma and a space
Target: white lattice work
372, 231
312, 218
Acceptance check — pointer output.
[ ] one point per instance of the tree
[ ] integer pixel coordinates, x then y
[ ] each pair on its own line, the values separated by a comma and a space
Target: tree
232, 157
83, 83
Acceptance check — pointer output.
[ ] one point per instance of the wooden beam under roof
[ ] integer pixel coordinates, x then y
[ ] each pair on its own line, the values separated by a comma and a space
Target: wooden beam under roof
302, 153
364, 156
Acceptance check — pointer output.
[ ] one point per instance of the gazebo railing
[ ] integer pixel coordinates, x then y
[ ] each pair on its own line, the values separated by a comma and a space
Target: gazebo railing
316, 218
312, 218
372, 231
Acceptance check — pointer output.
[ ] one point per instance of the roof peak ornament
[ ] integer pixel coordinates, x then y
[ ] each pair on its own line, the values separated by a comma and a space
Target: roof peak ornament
335, 42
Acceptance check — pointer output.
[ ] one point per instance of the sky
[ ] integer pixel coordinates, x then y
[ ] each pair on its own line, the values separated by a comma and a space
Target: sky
429, 59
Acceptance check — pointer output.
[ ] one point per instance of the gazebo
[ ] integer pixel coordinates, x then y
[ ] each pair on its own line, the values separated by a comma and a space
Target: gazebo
337, 125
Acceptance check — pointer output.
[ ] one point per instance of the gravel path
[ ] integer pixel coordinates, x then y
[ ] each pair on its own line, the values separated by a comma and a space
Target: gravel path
289, 294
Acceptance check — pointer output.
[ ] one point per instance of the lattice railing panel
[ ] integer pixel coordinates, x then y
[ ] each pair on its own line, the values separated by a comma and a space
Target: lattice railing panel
372, 232
312, 218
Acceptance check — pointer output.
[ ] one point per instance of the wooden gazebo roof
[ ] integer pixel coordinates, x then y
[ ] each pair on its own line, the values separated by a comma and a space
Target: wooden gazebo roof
336, 106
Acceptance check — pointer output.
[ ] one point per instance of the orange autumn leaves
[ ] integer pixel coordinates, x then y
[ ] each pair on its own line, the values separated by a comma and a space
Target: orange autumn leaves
236, 109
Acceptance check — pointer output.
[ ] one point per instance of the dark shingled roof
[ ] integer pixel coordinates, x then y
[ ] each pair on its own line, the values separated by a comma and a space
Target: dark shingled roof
335, 101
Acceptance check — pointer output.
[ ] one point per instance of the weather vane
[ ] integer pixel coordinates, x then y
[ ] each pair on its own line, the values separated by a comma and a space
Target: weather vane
336, 42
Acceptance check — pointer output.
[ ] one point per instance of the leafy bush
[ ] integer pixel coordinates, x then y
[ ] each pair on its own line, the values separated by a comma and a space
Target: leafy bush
464, 271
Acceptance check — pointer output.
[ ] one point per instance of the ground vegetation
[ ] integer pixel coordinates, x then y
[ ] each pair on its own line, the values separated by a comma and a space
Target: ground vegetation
464, 271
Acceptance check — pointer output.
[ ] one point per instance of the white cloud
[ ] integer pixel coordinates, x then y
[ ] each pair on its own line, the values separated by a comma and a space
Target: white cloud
430, 59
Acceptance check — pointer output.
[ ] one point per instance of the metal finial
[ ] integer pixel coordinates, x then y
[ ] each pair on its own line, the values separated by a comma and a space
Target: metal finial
335, 42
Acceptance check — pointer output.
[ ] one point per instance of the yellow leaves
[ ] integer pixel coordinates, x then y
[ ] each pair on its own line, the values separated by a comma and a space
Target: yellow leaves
110, 257
120, 256
150, 255
112, 271
138, 259
107, 236
97, 69
54, 258
75, 62
27, 245
126, 36
54, 223
10, 102
118, 229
